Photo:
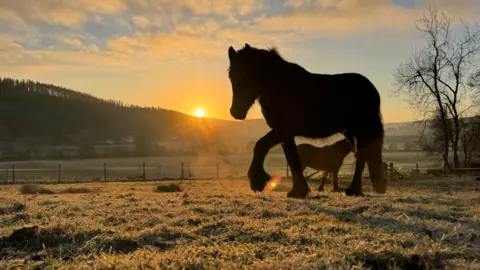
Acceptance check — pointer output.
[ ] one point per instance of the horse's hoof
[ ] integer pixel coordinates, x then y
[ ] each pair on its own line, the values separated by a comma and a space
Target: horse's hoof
352, 192
321, 189
258, 181
302, 194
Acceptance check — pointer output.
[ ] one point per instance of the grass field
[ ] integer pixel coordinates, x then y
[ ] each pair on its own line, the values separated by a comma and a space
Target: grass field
203, 166
431, 223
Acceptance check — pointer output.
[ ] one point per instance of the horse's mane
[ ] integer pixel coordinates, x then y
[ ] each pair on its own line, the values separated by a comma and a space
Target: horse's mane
272, 58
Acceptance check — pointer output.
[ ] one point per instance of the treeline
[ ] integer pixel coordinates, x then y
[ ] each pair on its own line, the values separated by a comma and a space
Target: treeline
34, 115
432, 140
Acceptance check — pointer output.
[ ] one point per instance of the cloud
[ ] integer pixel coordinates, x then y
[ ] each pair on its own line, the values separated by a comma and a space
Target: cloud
72, 42
68, 13
298, 4
206, 7
141, 21
132, 31
8, 43
125, 45
341, 17
14, 56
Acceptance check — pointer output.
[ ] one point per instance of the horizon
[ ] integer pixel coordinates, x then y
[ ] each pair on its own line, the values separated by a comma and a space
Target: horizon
158, 53
189, 114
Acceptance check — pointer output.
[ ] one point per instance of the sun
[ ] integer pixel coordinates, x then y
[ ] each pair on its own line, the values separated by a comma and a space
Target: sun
199, 112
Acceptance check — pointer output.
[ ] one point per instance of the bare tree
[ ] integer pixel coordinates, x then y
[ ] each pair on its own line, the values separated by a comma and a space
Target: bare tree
438, 79
432, 137
475, 84
470, 138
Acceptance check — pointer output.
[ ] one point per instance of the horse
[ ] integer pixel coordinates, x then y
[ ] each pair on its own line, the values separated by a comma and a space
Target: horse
296, 102
328, 159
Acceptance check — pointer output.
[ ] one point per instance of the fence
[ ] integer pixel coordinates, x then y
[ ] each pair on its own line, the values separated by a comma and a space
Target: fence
103, 172
60, 173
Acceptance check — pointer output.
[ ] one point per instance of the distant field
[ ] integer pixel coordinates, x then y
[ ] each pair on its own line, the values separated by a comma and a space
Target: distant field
221, 224
202, 166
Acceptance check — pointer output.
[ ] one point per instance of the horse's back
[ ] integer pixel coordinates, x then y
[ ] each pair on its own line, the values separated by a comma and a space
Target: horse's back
343, 101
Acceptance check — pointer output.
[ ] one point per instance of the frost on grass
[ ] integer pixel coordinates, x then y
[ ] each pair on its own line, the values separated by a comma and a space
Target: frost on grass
222, 224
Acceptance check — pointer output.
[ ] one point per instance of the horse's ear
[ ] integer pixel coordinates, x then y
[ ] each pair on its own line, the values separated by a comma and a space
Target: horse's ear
247, 46
231, 53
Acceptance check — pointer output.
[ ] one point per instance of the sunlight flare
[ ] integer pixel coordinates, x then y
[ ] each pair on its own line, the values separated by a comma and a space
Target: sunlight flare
199, 112
274, 183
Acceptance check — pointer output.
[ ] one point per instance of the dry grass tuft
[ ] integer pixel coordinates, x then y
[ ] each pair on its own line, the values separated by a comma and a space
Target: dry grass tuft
172, 187
34, 189
76, 190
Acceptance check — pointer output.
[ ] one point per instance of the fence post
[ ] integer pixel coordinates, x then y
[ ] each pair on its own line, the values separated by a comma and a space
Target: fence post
143, 171
189, 170
218, 172
59, 173
105, 172
6, 175
158, 172
385, 171
13, 173
417, 170
391, 171
181, 177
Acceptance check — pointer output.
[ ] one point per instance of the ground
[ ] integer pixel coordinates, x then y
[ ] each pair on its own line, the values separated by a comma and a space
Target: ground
433, 223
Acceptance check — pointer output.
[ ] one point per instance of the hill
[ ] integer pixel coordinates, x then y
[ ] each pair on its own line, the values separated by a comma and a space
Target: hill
33, 115
40, 120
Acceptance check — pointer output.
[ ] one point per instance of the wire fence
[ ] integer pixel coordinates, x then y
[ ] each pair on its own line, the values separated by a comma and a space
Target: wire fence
69, 173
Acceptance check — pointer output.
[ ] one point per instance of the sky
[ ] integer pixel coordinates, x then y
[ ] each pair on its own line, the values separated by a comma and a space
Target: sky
173, 53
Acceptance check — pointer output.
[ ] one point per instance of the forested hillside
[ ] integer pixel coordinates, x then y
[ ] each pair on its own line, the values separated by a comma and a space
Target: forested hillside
56, 114
34, 115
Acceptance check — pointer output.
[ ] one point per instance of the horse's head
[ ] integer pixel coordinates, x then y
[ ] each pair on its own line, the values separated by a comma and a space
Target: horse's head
242, 74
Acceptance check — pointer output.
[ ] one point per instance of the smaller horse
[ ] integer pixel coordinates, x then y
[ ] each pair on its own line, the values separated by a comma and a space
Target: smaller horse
328, 159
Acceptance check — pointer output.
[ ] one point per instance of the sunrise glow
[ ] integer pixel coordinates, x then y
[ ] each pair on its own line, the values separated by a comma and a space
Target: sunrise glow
199, 112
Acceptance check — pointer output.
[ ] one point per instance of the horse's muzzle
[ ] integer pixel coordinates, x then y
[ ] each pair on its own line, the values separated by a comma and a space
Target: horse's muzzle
238, 115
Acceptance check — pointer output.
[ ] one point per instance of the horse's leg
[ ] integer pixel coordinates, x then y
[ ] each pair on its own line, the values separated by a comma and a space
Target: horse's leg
335, 181
300, 188
256, 173
324, 178
355, 188
375, 166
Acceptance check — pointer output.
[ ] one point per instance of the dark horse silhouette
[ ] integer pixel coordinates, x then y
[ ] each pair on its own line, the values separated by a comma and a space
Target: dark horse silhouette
296, 102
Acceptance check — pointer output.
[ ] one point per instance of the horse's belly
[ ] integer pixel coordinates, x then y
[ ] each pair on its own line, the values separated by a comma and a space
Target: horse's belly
311, 120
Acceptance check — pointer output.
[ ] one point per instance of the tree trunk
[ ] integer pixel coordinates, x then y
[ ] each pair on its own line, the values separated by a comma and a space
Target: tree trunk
446, 141
456, 139
466, 160
446, 147
456, 160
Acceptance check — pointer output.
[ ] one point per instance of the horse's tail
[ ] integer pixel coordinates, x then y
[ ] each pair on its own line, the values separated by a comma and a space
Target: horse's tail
375, 159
